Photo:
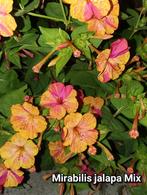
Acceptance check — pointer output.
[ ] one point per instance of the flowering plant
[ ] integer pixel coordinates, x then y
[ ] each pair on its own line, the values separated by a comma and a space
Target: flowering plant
73, 90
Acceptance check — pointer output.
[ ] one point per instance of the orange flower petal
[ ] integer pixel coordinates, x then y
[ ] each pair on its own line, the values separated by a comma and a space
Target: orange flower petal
79, 131
57, 112
14, 178
72, 120
59, 98
26, 120
18, 152
87, 122
69, 103
57, 151
7, 22
6, 6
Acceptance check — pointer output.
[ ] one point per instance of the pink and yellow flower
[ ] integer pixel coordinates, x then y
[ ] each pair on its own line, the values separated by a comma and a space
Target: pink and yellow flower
59, 99
79, 131
111, 62
25, 119
95, 103
101, 16
10, 178
7, 22
57, 151
18, 152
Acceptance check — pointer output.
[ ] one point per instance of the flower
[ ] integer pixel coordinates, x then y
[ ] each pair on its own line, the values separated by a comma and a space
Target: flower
95, 104
57, 151
18, 152
92, 150
25, 119
10, 178
59, 99
7, 22
111, 62
79, 131
133, 133
101, 16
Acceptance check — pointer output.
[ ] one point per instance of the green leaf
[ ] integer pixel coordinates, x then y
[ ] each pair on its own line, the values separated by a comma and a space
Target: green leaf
54, 10
78, 31
30, 7
28, 41
4, 136
124, 16
24, 2
132, 88
5, 124
14, 57
113, 125
128, 108
95, 42
44, 160
8, 81
132, 12
37, 85
13, 97
27, 24
64, 56
83, 45
52, 36
104, 130
52, 136
89, 82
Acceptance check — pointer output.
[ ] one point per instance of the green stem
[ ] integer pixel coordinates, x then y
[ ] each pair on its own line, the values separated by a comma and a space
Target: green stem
118, 111
63, 11
137, 23
106, 151
45, 17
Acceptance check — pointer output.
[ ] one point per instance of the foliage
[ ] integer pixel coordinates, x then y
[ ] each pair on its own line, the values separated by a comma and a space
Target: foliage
64, 70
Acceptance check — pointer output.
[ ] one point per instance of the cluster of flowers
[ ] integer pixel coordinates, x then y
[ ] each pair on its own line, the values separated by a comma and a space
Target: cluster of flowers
100, 16
78, 132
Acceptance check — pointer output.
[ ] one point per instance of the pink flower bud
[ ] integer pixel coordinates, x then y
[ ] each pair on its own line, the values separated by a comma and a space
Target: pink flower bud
28, 98
92, 150
77, 53
130, 170
133, 133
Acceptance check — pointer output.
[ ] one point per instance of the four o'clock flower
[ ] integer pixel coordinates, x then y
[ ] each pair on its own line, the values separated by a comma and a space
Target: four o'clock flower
95, 104
25, 119
59, 99
101, 16
18, 152
10, 178
7, 22
57, 151
79, 131
133, 133
111, 62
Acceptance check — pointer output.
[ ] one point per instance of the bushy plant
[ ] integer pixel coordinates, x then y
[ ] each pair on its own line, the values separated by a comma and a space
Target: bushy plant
73, 89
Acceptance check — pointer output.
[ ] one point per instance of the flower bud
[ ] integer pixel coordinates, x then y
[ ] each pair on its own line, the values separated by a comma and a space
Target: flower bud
92, 150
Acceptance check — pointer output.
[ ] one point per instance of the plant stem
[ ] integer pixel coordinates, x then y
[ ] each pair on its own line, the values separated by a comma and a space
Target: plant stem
45, 17
63, 11
136, 26
106, 150
36, 68
94, 49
